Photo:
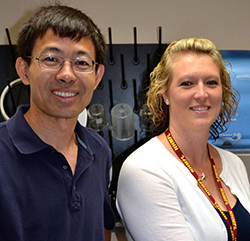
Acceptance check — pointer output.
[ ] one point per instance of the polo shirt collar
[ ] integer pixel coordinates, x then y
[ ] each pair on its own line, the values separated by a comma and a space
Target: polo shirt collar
25, 139
21, 134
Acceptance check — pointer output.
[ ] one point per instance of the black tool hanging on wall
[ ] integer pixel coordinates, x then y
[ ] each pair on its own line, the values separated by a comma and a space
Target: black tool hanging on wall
110, 94
148, 69
159, 44
136, 108
124, 84
14, 60
11, 46
135, 59
111, 56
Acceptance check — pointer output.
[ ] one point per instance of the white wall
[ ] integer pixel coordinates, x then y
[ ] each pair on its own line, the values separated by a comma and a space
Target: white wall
226, 22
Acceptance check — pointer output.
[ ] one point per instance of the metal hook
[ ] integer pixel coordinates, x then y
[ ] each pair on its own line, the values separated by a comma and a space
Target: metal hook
111, 144
148, 68
124, 84
135, 59
135, 140
159, 45
11, 46
111, 57
136, 109
110, 94
14, 60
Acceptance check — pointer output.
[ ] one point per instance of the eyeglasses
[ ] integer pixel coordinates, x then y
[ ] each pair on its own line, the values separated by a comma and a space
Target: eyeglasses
55, 63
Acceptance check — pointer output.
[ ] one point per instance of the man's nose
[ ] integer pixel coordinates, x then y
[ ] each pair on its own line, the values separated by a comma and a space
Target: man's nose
66, 72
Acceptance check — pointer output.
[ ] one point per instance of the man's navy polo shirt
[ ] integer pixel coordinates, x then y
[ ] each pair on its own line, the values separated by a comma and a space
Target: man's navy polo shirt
40, 199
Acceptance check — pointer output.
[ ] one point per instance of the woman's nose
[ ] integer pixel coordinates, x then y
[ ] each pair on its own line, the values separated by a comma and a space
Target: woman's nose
201, 91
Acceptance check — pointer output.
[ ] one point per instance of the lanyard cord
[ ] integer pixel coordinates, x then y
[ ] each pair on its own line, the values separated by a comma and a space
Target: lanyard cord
179, 153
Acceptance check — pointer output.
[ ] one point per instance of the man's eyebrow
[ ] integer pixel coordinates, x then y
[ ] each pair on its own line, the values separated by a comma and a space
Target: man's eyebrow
59, 51
52, 49
84, 53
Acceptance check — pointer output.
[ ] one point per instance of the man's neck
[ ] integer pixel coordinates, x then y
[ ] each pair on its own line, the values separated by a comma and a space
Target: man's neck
57, 132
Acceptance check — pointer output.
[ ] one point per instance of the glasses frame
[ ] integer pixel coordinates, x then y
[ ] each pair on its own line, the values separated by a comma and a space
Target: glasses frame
61, 65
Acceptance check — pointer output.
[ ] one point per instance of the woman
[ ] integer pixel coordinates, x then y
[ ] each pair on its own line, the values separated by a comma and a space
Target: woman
177, 186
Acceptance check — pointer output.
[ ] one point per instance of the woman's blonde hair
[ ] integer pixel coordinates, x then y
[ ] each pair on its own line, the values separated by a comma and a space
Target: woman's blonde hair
160, 79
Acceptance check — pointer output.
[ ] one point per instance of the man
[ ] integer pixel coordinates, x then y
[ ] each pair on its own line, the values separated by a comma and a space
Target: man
54, 173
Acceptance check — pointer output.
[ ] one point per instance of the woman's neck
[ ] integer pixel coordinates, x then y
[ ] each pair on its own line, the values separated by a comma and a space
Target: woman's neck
193, 144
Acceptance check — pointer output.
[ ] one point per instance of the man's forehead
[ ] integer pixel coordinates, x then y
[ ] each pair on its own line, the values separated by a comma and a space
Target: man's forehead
52, 42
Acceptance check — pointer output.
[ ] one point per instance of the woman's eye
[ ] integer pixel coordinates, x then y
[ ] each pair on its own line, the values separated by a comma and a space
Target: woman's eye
185, 83
212, 82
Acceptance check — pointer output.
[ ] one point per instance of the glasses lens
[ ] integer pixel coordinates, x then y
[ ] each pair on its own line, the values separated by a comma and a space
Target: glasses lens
83, 65
54, 63
50, 62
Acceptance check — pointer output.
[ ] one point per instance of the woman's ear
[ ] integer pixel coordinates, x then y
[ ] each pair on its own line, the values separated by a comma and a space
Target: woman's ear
99, 74
22, 68
164, 96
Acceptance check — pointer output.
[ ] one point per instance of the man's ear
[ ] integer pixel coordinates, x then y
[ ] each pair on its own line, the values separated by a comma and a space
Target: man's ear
22, 69
99, 74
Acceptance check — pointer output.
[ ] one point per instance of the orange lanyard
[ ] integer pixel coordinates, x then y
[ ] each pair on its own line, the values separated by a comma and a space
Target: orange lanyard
179, 153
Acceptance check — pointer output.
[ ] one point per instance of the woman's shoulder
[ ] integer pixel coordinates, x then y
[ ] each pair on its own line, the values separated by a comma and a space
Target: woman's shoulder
228, 156
151, 156
151, 149
232, 164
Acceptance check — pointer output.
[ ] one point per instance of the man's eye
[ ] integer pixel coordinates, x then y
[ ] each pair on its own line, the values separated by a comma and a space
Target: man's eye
83, 62
50, 59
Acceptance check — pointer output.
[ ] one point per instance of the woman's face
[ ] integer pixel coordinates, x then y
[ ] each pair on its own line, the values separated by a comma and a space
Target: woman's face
195, 92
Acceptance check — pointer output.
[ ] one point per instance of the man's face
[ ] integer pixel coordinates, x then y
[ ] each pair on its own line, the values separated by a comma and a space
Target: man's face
62, 93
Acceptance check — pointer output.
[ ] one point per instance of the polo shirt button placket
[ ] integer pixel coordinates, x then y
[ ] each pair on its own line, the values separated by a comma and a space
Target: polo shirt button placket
75, 201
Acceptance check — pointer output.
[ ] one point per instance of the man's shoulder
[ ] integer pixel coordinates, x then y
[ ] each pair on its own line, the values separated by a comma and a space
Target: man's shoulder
3, 129
2, 125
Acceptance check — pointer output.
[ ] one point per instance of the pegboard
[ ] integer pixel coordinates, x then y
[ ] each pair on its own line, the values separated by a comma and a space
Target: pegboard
125, 81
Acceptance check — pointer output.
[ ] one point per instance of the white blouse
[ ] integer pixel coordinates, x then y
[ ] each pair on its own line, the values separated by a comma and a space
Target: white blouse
159, 199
